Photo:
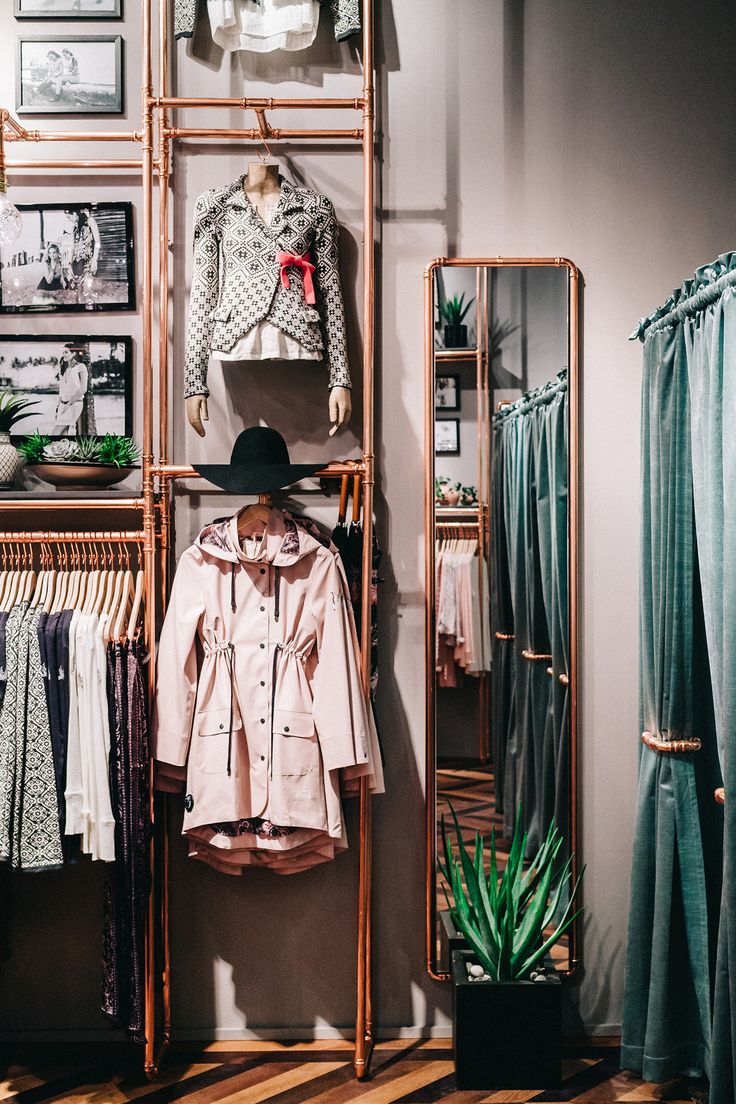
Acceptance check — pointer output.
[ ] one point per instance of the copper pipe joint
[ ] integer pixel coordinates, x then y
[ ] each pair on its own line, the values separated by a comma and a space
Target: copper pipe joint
564, 679
504, 636
670, 747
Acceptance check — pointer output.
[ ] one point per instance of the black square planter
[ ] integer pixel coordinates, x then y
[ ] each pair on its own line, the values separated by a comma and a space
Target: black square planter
506, 1034
450, 939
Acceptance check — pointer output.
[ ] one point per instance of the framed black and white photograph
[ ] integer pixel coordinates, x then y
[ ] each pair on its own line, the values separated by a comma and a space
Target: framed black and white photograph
447, 392
447, 436
70, 75
70, 257
68, 9
81, 385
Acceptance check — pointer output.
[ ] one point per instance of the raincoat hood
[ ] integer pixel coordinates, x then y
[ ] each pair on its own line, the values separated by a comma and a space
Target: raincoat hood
284, 542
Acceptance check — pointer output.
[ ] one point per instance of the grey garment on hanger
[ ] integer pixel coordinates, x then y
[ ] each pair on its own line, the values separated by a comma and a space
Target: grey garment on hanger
237, 278
36, 816
345, 13
8, 734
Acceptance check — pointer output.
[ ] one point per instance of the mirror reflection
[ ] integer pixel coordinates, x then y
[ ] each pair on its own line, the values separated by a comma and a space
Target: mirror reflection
500, 556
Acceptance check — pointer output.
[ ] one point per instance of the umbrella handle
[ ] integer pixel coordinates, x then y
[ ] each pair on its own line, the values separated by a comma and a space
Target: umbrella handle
356, 498
343, 508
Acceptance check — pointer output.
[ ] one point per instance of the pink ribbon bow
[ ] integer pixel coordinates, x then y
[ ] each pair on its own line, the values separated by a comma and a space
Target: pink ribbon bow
286, 260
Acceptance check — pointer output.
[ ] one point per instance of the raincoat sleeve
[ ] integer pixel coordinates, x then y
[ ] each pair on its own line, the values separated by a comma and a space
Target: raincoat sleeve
340, 717
176, 687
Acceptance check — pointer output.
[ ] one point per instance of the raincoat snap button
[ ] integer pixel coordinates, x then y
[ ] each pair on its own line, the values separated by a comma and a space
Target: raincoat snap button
263, 720
263, 645
262, 683
222, 726
263, 757
263, 571
286, 728
262, 609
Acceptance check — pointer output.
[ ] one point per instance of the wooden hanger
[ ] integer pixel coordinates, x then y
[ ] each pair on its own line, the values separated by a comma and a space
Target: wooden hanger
137, 602
124, 600
254, 513
342, 511
357, 480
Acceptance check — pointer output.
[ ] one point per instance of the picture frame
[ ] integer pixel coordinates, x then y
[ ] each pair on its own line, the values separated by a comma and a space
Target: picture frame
447, 392
70, 257
68, 9
447, 436
33, 365
69, 75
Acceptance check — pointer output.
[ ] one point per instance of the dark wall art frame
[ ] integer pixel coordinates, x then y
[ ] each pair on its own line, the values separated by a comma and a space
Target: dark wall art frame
23, 10
65, 108
65, 301
15, 342
454, 377
454, 434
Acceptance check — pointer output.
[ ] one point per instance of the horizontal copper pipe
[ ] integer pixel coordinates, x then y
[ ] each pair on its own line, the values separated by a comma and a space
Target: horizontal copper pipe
504, 636
15, 163
720, 795
670, 747
71, 504
534, 657
246, 103
334, 471
54, 536
276, 134
501, 262
72, 136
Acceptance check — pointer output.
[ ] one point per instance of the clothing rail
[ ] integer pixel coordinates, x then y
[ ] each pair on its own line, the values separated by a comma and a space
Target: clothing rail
155, 139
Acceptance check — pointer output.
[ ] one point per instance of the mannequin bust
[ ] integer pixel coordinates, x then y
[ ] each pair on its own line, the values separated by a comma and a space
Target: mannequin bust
262, 185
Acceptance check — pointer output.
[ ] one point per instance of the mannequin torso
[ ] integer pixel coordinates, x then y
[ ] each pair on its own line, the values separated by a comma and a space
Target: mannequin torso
262, 186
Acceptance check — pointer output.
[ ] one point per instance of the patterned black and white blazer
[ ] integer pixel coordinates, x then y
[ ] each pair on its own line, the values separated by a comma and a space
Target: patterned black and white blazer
236, 279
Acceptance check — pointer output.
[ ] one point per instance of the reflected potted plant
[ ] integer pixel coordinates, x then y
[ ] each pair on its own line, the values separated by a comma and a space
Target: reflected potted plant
453, 311
510, 923
13, 408
81, 461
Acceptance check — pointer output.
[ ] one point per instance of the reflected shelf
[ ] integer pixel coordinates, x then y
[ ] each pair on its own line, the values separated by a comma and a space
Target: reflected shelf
455, 354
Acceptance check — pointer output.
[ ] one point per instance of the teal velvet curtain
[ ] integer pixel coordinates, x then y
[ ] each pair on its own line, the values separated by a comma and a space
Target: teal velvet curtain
503, 700
529, 510
678, 1009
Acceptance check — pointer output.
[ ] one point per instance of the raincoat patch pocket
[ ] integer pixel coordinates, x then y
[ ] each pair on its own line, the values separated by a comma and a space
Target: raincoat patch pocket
295, 746
212, 730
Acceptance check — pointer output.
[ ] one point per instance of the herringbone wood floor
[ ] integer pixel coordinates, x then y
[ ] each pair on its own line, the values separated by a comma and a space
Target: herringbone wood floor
405, 1072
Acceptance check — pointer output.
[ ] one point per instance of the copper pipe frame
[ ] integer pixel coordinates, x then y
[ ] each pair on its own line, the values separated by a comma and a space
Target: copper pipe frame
670, 747
275, 134
250, 103
13, 504
573, 576
69, 536
504, 636
535, 657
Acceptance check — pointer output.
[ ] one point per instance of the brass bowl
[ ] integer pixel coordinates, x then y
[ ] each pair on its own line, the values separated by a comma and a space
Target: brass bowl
67, 476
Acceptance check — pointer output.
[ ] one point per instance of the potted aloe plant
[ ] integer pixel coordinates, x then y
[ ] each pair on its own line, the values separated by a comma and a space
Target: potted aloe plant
13, 408
453, 311
507, 1020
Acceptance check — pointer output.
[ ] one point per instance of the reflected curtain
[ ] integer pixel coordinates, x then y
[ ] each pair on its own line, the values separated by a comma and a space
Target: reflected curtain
503, 703
530, 599
687, 690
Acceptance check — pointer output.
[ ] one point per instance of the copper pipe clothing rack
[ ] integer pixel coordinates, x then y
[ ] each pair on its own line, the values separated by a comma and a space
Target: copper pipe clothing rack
152, 162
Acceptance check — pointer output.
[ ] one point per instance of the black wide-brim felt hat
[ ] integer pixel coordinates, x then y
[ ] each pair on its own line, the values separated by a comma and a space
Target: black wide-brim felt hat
259, 463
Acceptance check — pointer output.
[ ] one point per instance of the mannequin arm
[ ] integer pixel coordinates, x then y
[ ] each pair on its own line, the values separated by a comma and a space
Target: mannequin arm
340, 408
197, 412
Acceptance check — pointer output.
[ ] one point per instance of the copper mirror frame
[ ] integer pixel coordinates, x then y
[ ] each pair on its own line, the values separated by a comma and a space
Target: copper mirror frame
432, 957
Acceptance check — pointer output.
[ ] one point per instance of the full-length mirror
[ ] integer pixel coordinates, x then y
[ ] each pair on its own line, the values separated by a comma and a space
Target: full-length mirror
501, 377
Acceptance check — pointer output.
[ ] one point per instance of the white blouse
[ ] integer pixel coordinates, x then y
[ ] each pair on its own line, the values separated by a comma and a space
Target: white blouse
263, 27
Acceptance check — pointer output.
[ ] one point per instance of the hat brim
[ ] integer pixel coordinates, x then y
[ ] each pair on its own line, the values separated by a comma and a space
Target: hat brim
255, 478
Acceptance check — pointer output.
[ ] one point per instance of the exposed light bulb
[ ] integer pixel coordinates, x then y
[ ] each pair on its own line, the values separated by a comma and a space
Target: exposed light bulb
11, 220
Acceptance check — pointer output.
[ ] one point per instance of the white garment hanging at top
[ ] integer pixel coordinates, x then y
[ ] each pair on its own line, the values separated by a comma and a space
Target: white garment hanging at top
263, 27
264, 341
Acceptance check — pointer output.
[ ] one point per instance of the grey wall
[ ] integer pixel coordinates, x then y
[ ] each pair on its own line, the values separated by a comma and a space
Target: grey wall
599, 131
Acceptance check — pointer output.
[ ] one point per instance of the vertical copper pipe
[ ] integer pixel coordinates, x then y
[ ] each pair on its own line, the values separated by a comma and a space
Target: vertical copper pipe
149, 515
164, 166
363, 1018
430, 910
573, 460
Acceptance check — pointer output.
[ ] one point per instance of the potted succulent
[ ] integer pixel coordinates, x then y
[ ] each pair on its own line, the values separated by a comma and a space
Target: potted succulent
13, 408
81, 461
453, 311
507, 1019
